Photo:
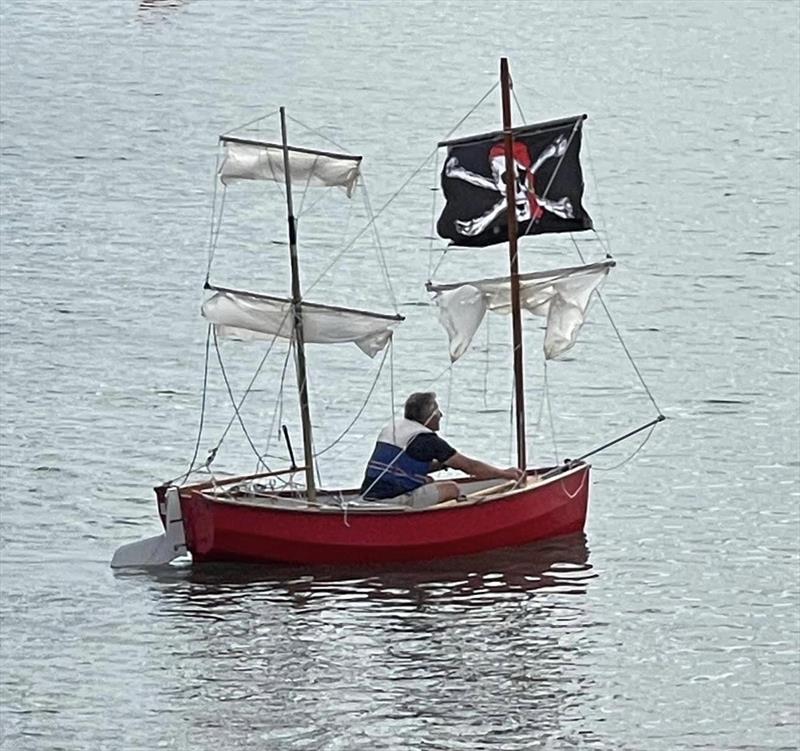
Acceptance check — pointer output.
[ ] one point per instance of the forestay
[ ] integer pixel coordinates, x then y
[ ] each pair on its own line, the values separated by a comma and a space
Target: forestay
561, 295
246, 315
257, 160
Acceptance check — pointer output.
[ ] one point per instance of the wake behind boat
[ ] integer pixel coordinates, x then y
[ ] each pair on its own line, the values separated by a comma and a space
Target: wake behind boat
498, 187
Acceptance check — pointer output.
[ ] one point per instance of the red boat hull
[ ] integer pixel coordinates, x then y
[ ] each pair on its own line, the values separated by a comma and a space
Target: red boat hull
217, 530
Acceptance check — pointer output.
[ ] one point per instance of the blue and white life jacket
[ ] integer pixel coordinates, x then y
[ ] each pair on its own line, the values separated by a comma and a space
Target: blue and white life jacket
391, 464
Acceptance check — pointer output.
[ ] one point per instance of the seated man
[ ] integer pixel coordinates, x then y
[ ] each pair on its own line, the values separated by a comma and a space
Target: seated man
408, 449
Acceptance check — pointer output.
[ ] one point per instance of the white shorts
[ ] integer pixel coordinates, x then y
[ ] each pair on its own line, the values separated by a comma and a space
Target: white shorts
422, 497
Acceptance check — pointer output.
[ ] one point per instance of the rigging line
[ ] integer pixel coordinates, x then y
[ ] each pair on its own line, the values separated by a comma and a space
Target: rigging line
441, 261
318, 133
253, 379
449, 391
434, 191
519, 106
384, 266
392, 396
305, 188
561, 158
369, 223
400, 189
629, 458
619, 337
550, 412
511, 423
570, 463
211, 240
602, 243
474, 107
277, 412
233, 402
391, 387
596, 190
537, 427
486, 369
317, 202
251, 122
202, 412
215, 241
361, 410
430, 383
554, 173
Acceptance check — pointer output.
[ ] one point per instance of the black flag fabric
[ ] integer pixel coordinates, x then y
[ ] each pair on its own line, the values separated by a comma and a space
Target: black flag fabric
549, 184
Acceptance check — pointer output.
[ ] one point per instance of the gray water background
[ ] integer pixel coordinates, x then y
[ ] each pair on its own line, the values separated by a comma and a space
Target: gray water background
674, 624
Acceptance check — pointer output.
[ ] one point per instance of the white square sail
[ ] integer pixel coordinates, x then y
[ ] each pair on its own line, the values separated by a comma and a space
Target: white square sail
257, 160
246, 315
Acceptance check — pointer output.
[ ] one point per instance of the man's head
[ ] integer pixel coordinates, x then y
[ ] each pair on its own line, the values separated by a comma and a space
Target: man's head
422, 407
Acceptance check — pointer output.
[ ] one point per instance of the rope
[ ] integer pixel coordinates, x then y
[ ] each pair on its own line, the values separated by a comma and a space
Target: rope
213, 237
486, 369
434, 380
580, 487
279, 398
619, 337
555, 172
381, 257
550, 412
251, 122
519, 106
252, 380
569, 463
597, 193
441, 261
202, 413
317, 133
363, 406
305, 187
323, 196
391, 393
626, 460
235, 407
449, 391
431, 236
399, 190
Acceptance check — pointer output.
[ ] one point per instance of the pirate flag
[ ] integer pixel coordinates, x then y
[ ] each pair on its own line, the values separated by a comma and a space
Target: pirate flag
548, 185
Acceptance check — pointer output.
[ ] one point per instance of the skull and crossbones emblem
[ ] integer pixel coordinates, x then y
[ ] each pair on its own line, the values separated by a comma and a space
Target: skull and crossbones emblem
529, 205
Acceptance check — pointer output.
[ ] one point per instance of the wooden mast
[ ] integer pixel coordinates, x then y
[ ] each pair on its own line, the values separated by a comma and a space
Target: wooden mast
511, 214
302, 380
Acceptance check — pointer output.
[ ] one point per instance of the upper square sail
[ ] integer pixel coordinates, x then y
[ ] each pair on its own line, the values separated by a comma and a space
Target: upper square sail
549, 184
258, 160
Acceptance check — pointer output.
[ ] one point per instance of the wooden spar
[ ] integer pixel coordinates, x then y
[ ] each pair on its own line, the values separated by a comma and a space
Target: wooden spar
511, 217
302, 380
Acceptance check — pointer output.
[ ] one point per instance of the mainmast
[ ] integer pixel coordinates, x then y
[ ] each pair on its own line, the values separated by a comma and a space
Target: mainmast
302, 380
511, 214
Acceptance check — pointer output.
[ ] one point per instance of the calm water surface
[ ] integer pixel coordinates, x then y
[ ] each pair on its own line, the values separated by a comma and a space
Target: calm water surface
673, 624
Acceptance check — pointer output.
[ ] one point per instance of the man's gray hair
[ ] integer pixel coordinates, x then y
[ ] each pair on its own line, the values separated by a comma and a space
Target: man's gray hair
420, 406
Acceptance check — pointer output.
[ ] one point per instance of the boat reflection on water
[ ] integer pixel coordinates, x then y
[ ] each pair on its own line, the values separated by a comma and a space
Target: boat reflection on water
159, 7
555, 566
503, 636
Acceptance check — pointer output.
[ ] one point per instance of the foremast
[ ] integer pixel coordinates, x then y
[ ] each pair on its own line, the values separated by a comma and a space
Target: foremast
516, 312
297, 316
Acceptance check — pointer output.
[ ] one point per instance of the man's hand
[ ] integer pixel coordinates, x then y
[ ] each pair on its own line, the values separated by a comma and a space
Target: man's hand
513, 473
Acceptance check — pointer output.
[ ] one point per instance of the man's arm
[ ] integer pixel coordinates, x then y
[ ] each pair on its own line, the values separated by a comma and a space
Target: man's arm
481, 470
